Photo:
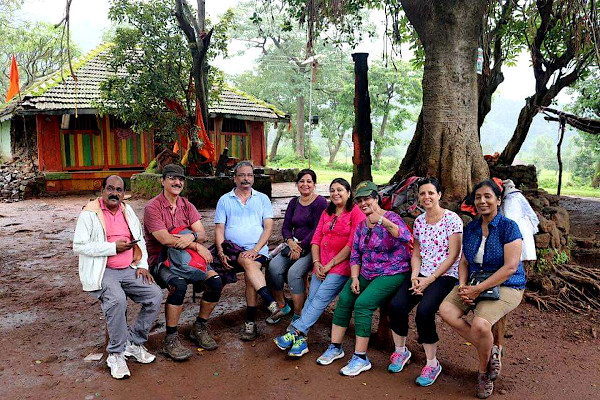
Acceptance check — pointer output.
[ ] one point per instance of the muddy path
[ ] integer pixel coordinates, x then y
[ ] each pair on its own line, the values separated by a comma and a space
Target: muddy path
48, 326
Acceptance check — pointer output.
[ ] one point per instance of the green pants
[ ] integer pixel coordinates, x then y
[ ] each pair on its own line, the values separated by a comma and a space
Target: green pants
372, 295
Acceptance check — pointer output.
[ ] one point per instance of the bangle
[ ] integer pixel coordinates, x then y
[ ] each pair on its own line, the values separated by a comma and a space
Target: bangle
354, 277
316, 261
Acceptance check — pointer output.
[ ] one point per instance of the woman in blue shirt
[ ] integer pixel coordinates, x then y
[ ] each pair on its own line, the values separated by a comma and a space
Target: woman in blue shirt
491, 243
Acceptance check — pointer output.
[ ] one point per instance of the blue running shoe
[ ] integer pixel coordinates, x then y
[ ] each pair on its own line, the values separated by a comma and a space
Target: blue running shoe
285, 341
331, 354
299, 348
398, 360
355, 366
428, 375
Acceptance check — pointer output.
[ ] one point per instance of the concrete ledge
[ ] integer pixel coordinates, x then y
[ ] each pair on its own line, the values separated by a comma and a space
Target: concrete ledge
201, 191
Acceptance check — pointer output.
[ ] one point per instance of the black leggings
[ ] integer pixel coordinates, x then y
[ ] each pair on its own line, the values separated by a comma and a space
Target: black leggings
429, 303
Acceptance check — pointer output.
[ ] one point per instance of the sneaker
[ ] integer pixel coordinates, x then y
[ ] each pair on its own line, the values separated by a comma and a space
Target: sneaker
199, 333
331, 354
139, 352
249, 332
355, 366
398, 360
118, 366
277, 312
299, 348
485, 386
284, 342
428, 375
173, 348
495, 363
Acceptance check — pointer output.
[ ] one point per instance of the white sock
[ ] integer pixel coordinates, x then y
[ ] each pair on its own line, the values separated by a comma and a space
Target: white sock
432, 363
400, 349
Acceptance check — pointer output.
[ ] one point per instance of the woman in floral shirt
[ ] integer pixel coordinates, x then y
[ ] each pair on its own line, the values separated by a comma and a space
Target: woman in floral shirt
438, 236
379, 263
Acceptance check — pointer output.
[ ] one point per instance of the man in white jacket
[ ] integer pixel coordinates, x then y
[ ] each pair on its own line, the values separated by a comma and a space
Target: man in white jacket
113, 266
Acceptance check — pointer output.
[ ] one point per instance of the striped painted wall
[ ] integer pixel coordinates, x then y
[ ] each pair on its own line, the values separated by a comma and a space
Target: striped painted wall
239, 145
86, 148
82, 149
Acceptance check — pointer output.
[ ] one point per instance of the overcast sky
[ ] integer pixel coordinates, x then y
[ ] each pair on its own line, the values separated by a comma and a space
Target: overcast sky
89, 20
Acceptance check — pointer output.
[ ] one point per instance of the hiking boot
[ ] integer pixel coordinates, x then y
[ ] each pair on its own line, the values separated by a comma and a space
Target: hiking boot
495, 363
355, 366
173, 348
398, 360
299, 348
199, 333
118, 366
277, 312
485, 386
249, 332
285, 341
428, 375
139, 352
330, 355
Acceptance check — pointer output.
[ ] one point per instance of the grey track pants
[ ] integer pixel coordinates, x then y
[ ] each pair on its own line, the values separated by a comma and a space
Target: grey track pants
117, 285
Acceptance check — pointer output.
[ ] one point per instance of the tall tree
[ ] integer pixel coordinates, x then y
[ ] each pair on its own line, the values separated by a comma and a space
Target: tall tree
562, 47
151, 49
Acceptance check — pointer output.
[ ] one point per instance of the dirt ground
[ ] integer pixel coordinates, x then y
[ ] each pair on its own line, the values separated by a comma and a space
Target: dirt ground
48, 325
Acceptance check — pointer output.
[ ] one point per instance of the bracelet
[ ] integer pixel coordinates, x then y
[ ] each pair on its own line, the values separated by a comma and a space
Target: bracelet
195, 236
316, 261
380, 220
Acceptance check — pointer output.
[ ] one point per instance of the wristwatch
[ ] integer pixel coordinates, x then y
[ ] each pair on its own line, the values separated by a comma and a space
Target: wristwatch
380, 220
195, 236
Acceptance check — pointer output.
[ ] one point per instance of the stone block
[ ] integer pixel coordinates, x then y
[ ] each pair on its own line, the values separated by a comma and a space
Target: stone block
542, 240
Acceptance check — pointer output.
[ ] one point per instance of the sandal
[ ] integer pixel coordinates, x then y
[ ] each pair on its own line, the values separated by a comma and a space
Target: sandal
495, 363
485, 386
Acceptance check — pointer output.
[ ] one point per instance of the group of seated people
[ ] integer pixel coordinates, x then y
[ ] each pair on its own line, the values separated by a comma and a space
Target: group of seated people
351, 247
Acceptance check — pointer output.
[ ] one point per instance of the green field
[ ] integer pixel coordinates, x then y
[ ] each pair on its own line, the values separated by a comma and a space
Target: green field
548, 180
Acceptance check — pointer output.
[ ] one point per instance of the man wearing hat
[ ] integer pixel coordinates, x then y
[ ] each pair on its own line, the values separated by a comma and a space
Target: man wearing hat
166, 213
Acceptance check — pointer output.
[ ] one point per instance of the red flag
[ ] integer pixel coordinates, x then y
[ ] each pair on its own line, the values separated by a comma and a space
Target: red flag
13, 89
208, 148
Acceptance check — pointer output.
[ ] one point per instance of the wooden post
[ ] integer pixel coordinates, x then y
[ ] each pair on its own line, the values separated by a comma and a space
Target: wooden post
362, 132
558, 155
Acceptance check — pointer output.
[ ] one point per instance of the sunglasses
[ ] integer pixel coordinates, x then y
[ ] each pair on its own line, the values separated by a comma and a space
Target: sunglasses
332, 223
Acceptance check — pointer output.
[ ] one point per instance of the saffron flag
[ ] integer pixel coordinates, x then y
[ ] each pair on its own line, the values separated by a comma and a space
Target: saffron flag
13, 89
208, 148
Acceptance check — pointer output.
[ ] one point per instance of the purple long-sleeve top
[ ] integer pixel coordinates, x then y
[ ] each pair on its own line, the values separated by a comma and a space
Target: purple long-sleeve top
301, 221
379, 253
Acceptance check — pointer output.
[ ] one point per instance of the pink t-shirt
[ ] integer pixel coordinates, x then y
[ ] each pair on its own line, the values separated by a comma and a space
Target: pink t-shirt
158, 216
333, 236
434, 242
117, 229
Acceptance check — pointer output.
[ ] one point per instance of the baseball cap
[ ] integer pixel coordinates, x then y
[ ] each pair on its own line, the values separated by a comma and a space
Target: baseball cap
365, 188
173, 170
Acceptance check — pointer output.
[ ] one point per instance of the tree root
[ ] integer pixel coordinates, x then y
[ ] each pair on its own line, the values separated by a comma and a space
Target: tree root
566, 287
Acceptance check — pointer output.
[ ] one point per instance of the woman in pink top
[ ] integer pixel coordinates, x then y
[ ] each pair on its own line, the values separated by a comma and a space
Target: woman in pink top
331, 245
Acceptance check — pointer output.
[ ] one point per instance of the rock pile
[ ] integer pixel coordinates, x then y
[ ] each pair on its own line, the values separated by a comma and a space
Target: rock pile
19, 179
554, 219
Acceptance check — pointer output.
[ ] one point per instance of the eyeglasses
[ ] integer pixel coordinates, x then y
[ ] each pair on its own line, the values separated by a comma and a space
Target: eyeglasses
368, 236
175, 178
332, 223
244, 175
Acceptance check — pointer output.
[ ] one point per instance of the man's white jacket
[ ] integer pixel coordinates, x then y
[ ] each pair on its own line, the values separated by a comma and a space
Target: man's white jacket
90, 243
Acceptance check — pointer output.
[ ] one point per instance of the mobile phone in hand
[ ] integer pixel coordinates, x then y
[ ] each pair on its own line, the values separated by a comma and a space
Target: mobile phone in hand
134, 241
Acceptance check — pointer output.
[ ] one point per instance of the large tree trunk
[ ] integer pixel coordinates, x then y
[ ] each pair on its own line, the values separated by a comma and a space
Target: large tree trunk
300, 120
449, 148
362, 132
275, 145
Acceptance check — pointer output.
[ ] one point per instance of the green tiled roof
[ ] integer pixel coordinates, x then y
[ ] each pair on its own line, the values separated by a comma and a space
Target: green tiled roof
60, 92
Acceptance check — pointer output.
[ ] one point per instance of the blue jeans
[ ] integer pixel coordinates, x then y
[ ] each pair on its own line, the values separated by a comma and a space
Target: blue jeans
294, 269
321, 294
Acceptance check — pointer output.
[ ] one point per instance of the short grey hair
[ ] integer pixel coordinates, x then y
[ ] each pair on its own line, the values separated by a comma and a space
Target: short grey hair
242, 164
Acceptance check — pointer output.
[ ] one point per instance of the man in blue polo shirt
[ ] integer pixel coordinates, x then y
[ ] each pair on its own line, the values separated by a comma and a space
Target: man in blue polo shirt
244, 216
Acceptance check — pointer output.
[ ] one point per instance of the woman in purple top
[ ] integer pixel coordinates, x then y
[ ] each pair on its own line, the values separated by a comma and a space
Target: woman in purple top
294, 262
379, 263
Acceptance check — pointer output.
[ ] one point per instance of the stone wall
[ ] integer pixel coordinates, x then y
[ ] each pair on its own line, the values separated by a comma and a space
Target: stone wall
19, 179
201, 191
524, 176
279, 175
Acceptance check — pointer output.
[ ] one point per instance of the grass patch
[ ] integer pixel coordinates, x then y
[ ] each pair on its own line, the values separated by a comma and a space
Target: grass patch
548, 180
